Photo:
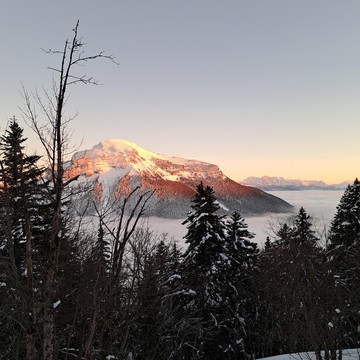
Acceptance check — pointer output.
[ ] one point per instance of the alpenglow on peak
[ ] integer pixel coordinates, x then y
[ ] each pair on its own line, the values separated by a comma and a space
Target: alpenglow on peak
122, 165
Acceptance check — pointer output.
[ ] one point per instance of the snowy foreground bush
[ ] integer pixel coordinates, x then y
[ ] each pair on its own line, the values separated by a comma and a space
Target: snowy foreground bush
349, 354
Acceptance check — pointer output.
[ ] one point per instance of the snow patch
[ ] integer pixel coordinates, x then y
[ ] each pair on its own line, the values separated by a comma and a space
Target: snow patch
222, 206
349, 354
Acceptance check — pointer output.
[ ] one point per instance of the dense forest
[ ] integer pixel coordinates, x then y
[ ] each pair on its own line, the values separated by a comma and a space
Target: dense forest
93, 282
109, 288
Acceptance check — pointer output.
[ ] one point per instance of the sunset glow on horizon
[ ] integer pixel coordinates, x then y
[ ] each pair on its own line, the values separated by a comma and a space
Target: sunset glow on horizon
255, 87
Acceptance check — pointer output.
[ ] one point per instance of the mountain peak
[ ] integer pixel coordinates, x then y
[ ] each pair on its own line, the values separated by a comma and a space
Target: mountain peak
122, 154
122, 165
113, 148
269, 183
120, 145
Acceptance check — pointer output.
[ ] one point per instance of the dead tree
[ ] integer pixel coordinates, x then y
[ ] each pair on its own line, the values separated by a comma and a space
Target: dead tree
126, 221
55, 138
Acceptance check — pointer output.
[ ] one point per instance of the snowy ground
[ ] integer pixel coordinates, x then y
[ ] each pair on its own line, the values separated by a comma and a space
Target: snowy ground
352, 354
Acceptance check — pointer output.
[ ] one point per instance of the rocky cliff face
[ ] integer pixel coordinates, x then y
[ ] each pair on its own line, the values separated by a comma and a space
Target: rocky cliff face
117, 166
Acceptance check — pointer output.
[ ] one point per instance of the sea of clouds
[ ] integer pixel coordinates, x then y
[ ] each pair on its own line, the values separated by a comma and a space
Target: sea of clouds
319, 204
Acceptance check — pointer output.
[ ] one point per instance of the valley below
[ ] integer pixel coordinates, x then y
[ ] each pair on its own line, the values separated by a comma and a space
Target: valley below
319, 204
116, 166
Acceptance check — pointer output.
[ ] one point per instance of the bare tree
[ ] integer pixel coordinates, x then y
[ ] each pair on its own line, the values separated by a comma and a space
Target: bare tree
120, 223
55, 138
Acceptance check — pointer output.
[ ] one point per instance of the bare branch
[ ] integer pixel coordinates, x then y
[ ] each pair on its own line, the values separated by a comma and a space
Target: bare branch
55, 138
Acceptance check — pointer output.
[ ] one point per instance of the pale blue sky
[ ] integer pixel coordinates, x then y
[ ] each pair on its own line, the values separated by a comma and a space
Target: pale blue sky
258, 87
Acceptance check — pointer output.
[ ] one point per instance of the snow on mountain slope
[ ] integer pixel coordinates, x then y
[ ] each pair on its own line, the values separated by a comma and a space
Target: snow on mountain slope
121, 165
122, 154
269, 183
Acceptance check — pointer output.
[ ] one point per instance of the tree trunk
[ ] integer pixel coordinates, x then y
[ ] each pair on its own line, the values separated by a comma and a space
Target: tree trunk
30, 331
48, 345
49, 314
89, 342
54, 138
30, 328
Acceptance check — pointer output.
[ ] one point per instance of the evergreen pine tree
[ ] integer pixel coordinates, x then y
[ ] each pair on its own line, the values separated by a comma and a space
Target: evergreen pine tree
205, 231
344, 234
267, 244
68, 302
19, 178
291, 278
101, 253
20, 208
303, 228
154, 322
285, 235
344, 258
270, 313
242, 254
242, 250
212, 327
301, 259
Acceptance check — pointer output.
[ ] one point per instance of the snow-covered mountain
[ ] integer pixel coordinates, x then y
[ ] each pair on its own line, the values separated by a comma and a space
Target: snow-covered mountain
269, 183
120, 165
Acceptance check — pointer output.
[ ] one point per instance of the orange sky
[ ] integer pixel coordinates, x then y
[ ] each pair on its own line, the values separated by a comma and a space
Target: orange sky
256, 87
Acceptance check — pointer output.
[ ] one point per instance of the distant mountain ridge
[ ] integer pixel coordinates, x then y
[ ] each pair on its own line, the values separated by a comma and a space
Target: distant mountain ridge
117, 166
269, 183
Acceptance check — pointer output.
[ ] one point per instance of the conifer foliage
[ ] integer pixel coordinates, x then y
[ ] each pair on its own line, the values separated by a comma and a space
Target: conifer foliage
290, 284
20, 208
123, 293
212, 278
344, 257
344, 235
19, 184
242, 251
116, 292
242, 254
154, 322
